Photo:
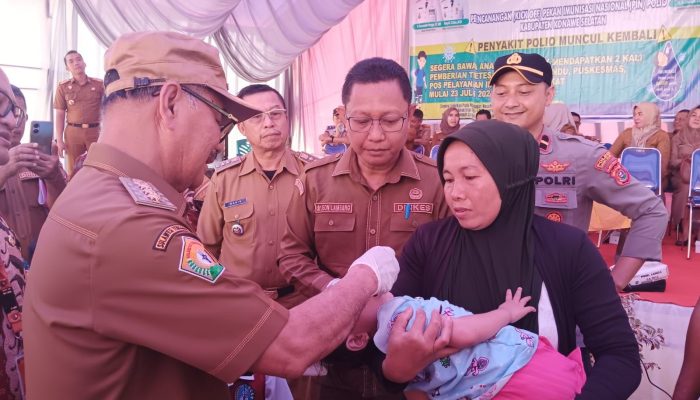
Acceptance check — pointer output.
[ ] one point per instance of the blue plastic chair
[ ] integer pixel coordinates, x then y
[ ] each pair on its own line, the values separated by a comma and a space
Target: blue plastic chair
645, 165
420, 149
434, 151
335, 148
693, 192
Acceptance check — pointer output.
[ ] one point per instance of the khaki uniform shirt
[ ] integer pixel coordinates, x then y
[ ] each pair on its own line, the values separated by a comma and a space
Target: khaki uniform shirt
81, 102
335, 216
124, 301
22, 207
243, 219
575, 171
659, 140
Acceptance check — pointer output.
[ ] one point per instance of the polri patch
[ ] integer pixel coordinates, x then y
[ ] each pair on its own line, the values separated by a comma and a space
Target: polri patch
332, 208
197, 261
423, 208
167, 234
555, 166
234, 203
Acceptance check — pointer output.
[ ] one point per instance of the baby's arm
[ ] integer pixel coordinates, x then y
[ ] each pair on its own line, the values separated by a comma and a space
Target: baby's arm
473, 329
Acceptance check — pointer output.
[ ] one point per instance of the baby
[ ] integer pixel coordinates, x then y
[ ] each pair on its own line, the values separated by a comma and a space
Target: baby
496, 360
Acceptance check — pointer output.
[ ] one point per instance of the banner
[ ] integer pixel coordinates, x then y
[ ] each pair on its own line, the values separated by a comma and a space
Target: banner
606, 55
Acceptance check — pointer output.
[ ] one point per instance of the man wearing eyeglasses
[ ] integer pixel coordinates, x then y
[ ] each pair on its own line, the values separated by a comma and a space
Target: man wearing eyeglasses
377, 192
30, 182
243, 216
77, 106
124, 301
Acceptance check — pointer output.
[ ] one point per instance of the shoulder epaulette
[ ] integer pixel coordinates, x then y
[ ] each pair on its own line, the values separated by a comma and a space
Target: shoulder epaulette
304, 157
323, 161
423, 158
231, 162
95, 79
64, 81
146, 194
580, 139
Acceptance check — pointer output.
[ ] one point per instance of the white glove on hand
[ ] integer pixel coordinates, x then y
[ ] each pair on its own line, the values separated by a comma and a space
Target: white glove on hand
382, 260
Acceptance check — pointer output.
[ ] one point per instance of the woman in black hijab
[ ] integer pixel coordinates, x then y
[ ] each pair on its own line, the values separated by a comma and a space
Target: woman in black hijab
494, 242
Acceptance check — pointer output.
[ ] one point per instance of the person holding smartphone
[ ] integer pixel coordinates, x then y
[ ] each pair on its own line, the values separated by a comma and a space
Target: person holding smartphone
333, 139
29, 183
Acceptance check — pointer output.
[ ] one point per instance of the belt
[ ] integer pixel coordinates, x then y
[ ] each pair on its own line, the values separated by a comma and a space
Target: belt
279, 292
85, 126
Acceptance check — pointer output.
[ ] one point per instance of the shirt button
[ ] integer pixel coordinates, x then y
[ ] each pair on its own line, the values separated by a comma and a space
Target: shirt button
372, 231
270, 242
331, 223
375, 197
272, 212
271, 187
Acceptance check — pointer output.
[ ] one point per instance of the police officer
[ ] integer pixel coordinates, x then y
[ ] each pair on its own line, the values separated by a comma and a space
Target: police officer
77, 110
574, 171
29, 184
243, 215
376, 193
125, 301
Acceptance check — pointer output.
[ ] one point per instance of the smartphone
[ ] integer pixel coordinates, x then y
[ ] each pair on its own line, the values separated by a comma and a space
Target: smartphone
42, 134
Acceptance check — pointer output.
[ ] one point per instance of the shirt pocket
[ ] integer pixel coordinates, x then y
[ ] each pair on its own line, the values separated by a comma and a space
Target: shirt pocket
399, 223
558, 198
334, 223
239, 223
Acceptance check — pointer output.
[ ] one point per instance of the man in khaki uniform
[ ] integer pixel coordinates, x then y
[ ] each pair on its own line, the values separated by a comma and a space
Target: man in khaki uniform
376, 193
77, 110
243, 216
29, 184
124, 301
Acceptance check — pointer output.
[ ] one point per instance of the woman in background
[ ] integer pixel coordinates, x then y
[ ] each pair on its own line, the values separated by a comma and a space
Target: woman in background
682, 147
448, 125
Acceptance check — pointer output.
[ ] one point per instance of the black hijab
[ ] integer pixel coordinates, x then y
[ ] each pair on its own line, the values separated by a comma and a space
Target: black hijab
484, 263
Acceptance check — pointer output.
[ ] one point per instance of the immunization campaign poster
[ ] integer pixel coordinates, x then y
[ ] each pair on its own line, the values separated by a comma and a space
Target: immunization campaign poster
606, 55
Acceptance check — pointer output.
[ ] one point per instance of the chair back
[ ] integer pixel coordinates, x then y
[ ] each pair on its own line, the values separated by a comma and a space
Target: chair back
434, 151
644, 164
420, 149
335, 148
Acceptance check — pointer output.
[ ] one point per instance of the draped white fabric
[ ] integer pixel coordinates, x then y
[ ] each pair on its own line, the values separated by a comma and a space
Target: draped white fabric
259, 39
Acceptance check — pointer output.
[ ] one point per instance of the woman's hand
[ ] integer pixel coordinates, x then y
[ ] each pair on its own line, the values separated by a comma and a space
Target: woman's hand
515, 305
409, 351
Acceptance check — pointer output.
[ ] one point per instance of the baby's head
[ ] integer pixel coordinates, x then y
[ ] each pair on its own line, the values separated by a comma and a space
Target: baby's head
366, 324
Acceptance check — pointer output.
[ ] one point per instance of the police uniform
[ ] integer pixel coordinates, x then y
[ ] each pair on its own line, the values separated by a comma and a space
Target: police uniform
12, 282
82, 106
575, 171
243, 220
140, 300
24, 204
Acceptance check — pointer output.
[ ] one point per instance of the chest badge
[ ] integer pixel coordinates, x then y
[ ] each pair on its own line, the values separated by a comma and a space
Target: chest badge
71, 102
555, 166
237, 229
415, 194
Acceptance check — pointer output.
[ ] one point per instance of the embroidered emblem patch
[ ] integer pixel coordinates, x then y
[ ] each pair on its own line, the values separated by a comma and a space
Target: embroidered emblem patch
234, 203
415, 194
299, 185
244, 392
197, 261
619, 173
554, 216
603, 160
555, 198
423, 208
146, 194
71, 102
332, 208
555, 166
237, 229
167, 234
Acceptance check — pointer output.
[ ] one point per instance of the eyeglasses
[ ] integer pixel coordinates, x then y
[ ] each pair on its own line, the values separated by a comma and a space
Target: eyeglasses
227, 120
7, 106
387, 123
275, 115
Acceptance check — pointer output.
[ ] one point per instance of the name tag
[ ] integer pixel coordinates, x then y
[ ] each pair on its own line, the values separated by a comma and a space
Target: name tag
234, 203
332, 208
423, 208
